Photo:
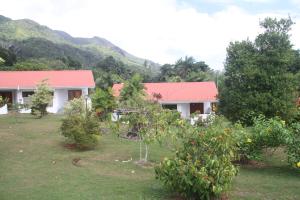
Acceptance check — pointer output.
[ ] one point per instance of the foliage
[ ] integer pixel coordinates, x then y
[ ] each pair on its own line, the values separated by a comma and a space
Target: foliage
265, 134
80, 125
103, 101
186, 70
270, 133
41, 99
133, 90
293, 147
257, 75
201, 167
247, 148
145, 118
7, 57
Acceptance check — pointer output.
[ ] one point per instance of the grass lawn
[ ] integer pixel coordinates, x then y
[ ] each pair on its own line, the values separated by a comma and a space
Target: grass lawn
35, 165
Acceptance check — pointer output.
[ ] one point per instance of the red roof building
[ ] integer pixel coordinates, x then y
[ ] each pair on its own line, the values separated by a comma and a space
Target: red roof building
186, 97
17, 86
55, 79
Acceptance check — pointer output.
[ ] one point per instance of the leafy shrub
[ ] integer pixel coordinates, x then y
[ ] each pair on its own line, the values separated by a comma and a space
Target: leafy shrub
270, 133
265, 133
247, 147
103, 102
202, 167
41, 99
80, 126
293, 147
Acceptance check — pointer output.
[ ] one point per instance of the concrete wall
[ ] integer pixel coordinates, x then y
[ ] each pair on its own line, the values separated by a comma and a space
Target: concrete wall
3, 110
207, 108
60, 98
184, 109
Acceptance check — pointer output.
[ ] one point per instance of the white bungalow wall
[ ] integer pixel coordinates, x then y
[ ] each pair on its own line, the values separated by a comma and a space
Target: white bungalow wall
207, 107
184, 109
3, 110
60, 98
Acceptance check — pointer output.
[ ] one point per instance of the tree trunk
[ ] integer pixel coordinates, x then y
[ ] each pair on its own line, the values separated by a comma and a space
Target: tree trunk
146, 153
140, 149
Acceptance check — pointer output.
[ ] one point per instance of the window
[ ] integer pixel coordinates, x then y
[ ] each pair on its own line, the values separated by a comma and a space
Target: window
51, 102
26, 96
170, 106
74, 94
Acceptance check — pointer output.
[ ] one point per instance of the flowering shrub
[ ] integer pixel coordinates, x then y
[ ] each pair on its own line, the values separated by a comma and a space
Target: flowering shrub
247, 147
201, 167
293, 147
271, 132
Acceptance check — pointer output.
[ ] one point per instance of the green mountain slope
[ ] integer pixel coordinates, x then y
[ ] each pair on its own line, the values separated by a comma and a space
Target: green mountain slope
31, 40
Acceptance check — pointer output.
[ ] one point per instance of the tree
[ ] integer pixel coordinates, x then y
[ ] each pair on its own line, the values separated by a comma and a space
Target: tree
8, 56
257, 75
2, 61
103, 101
133, 89
145, 118
41, 99
186, 69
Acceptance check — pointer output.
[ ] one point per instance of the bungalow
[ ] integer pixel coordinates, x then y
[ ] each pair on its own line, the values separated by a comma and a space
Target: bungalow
186, 97
17, 86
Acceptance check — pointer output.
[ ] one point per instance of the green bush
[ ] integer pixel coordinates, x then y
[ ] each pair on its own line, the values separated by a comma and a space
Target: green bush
265, 133
247, 147
80, 126
103, 102
202, 167
293, 147
270, 133
41, 99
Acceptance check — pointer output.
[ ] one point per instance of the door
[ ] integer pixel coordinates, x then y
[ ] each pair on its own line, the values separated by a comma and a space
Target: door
196, 107
74, 94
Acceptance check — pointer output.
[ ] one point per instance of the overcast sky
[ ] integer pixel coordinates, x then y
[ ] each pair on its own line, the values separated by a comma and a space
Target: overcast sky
160, 30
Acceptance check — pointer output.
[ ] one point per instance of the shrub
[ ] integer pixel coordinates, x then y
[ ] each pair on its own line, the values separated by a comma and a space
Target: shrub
201, 168
41, 99
270, 133
247, 147
80, 126
103, 102
293, 147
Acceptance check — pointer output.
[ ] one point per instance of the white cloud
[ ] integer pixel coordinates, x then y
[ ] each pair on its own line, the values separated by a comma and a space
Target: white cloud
158, 30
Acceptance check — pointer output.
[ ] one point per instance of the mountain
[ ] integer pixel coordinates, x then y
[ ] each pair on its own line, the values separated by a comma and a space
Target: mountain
30, 40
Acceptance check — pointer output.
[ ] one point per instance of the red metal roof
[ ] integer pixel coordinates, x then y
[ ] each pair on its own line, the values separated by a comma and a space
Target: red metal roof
179, 91
55, 79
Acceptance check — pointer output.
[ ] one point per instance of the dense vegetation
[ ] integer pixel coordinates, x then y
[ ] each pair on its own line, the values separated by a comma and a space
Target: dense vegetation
260, 76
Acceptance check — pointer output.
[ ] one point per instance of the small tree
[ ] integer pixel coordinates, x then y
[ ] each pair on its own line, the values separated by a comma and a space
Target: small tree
145, 118
41, 99
80, 125
103, 102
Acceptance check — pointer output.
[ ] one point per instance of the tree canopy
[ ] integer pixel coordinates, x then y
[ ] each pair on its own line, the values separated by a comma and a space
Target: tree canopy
187, 69
258, 78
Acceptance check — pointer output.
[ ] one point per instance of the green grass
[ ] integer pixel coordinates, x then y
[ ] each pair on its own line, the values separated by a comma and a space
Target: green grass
44, 169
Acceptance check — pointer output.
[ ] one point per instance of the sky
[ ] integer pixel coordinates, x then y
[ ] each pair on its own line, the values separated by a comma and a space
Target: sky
160, 30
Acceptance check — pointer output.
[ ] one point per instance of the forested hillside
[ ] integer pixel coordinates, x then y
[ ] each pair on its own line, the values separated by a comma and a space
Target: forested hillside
29, 41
